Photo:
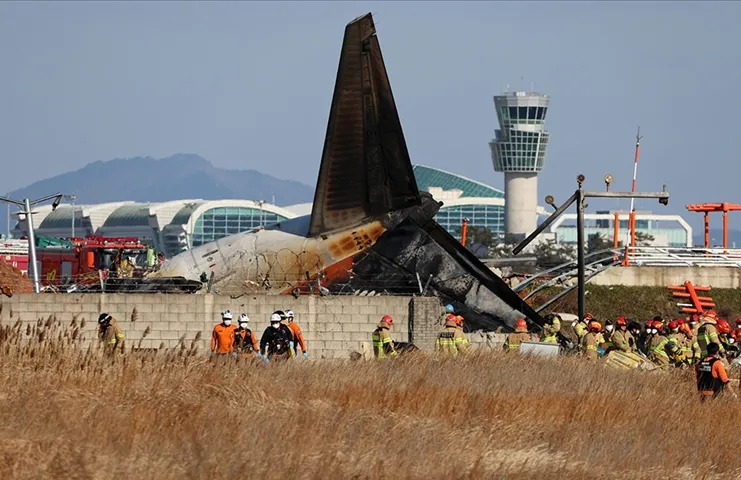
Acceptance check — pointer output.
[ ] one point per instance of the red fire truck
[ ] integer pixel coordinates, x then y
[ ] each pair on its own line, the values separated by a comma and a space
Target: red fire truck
15, 253
86, 257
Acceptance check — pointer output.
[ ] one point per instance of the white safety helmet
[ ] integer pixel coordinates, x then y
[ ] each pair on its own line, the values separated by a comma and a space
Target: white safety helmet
290, 315
243, 318
274, 318
226, 315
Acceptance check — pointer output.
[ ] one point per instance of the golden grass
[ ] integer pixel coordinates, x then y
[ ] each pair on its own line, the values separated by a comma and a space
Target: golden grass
68, 412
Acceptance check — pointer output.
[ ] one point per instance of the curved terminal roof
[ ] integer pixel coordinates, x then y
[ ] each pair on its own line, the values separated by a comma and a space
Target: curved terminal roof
128, 215
434, 177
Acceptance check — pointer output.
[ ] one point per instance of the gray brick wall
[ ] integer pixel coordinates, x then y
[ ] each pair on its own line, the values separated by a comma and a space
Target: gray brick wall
334, 326
426, 313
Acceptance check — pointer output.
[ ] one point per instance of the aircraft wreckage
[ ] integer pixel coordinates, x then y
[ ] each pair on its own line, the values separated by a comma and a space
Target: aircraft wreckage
370, 227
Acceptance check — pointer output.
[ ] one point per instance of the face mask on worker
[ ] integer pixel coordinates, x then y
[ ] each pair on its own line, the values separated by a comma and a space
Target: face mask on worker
608, 328
275, 325
227, 322
654, 331
243, 326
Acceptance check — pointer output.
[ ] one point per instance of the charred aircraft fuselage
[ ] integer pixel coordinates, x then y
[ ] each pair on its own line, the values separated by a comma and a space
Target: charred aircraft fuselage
370, 227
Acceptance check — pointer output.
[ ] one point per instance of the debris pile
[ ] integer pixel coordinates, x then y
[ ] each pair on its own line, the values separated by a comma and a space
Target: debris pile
13, 281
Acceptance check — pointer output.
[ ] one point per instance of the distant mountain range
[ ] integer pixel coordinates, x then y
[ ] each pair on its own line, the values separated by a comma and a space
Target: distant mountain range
180, 176
716, 237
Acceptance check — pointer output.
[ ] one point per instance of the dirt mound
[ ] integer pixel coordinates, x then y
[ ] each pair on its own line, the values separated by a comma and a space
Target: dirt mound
12, 281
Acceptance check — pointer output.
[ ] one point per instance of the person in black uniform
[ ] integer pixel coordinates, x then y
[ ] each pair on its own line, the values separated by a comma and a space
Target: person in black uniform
275, 343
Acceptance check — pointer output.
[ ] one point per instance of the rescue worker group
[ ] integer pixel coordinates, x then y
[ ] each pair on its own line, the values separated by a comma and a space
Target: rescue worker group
704, 341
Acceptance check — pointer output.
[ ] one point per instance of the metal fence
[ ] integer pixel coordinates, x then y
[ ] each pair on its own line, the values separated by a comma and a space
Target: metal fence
682, 257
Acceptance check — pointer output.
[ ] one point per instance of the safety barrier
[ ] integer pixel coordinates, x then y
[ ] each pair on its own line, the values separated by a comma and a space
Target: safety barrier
682, 257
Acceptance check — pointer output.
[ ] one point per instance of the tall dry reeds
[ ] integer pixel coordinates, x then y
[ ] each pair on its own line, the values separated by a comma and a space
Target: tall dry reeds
70, 412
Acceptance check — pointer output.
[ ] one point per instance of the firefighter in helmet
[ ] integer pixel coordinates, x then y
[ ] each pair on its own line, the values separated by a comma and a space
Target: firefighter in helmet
110, 334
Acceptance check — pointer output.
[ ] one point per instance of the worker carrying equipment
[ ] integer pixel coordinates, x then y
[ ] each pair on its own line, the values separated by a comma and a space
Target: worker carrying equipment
515, 339
450, 340
245, 341
110, 334
383, 346
551, 328
275, 341
298, 337
222, 337
711, 374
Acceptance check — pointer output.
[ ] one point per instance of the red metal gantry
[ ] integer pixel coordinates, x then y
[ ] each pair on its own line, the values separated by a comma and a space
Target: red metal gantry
706, 208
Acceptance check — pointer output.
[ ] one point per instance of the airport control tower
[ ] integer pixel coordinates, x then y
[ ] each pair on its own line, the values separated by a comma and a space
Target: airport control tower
519, 151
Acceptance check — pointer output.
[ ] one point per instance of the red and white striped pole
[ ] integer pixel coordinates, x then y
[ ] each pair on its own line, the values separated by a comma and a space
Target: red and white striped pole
632, 220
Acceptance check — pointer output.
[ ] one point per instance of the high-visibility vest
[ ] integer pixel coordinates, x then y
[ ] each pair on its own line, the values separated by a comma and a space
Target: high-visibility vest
379, 344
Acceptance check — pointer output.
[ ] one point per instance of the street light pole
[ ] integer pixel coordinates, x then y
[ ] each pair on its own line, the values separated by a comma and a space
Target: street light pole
32, 246
579, 197
26, 205
580, 252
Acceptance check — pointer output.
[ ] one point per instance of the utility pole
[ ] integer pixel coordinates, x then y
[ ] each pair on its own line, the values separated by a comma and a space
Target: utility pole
72, 199
26, 205
578, 197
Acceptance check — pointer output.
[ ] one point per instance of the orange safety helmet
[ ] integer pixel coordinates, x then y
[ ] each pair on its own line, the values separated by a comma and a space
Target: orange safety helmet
723, 326
595, 325
622, 321
736, 334
459, 320
588, 317
673, 324
695, 318
711, 314
686, 329
388, 320
521, 323
738, 322
649, 323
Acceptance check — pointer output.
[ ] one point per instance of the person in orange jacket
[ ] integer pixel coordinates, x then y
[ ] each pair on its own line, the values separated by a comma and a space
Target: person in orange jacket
298, 337
245, 341
711, 374
222, 338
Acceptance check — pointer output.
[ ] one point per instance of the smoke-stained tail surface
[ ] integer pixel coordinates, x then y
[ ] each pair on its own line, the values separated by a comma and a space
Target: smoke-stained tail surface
370, 226
365, 169
366, 172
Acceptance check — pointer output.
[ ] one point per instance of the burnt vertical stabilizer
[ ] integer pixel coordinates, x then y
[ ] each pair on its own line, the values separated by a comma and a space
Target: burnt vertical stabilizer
365, 169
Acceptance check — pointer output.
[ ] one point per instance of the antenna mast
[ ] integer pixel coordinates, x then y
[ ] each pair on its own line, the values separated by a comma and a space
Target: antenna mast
632, 220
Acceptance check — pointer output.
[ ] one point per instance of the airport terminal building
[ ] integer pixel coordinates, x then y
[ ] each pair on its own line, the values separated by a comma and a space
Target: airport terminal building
170, 227
173, 227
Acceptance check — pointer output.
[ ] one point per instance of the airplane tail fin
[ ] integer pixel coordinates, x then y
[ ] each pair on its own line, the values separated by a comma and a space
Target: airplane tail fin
365, 170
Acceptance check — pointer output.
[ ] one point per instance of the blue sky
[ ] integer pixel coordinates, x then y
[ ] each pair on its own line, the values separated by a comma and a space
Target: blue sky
248, 85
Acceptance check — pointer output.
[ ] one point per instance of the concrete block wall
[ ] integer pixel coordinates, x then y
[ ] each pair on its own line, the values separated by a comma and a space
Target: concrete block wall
427, 321
718, 277
334, 326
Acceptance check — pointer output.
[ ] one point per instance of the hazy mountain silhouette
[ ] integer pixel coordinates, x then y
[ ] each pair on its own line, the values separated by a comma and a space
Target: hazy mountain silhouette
180, 176
716, 237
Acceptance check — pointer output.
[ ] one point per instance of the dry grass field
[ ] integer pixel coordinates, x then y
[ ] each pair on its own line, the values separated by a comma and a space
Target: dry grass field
67, 412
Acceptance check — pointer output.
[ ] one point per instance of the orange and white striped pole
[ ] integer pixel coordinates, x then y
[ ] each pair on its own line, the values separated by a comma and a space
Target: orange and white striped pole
632, 219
